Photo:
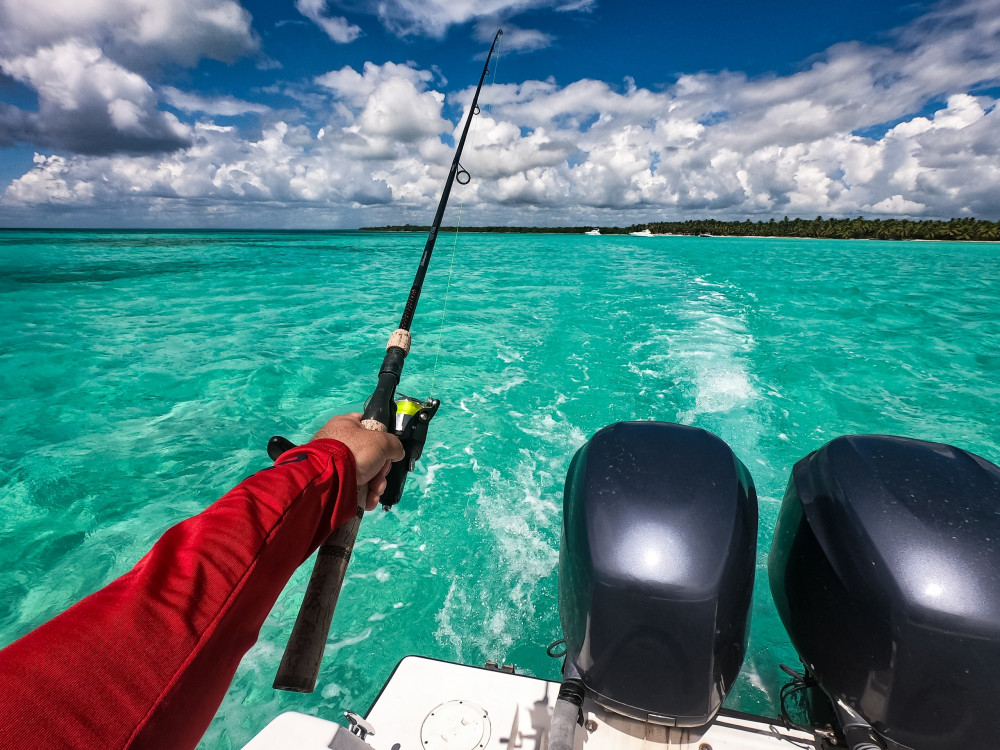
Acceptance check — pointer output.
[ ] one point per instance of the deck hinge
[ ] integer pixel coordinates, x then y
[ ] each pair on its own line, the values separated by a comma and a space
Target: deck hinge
506, 668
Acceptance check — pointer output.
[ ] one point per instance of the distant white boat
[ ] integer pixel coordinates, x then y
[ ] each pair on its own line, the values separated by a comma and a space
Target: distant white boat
643, 233
593, 232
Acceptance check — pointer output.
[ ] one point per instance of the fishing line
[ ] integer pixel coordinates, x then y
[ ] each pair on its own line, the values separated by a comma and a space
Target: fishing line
458, 227
447, 292
385, 411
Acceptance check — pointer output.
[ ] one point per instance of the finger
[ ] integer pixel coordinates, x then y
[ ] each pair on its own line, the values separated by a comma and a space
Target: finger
393, 448
375, 489
377, 486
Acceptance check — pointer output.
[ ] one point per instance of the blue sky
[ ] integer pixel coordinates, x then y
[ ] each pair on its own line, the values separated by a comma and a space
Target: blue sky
342, 113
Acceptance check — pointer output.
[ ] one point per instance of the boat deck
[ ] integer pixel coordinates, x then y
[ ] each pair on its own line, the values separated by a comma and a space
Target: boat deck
435, 705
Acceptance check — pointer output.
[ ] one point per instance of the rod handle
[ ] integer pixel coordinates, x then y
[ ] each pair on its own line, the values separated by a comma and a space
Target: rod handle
300, 663
299, 667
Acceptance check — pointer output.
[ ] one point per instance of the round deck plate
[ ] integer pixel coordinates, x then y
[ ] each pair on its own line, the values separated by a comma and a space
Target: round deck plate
455, 725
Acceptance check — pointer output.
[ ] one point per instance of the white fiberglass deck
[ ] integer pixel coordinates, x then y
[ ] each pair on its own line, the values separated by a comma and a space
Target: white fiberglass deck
434, 705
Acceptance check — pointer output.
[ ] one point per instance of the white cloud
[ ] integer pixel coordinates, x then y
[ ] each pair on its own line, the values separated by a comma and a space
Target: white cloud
385, 109
434, 17
515, 39
339, 29
398, 111
897, 204
50, 182
83, 59
132, 32
285, 164
217, 105
355, 89
90, 104
860, 130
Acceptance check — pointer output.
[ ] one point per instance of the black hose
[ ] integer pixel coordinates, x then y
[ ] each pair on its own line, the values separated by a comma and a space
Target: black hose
566, 715
858, 733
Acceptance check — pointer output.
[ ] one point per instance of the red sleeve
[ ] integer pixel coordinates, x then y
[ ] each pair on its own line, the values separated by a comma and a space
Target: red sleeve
146, 661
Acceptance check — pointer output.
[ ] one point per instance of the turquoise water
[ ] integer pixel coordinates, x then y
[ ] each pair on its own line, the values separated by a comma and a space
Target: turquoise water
143, 373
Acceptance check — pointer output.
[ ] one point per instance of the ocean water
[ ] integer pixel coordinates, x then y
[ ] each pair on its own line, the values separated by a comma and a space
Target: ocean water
142, 374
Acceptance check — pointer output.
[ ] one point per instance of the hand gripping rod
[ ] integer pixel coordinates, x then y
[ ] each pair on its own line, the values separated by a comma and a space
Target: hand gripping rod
300, 664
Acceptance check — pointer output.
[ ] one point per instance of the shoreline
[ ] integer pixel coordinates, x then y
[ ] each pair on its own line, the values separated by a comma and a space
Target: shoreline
609, 232
475, 230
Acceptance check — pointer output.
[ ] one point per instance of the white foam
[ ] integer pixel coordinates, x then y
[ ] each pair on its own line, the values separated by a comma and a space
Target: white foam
352, 640
508, 355
331, 690
487, 611
456, 606
428, 477
512, 382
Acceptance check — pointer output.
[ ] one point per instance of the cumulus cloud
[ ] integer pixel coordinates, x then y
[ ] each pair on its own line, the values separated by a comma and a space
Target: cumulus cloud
730, 145
897, 204
860, 129
356, 89
51, 182
90, 105
386, 109
286, 165
385, 149
134, 33
397, 110
338, 28
84, 61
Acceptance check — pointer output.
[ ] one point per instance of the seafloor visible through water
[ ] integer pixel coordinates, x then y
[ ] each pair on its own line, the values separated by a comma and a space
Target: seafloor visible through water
144, 372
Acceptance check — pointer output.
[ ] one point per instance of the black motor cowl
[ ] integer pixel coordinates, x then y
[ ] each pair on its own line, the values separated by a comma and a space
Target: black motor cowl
656, 570
885, 569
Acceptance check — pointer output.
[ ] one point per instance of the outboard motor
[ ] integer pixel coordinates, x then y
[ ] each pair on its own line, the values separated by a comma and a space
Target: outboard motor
656, 570
885, 569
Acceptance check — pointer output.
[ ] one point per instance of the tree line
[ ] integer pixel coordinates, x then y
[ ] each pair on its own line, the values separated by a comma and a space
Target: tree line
860, 228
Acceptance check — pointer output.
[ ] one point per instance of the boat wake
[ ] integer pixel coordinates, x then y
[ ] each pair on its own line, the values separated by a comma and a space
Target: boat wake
697, 357
503, 611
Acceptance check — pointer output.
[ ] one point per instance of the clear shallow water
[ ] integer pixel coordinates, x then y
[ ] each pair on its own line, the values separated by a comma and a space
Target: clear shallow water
142, 374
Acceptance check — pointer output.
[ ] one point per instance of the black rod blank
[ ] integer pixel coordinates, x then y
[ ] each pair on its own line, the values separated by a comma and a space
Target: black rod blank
300, 663
425, 259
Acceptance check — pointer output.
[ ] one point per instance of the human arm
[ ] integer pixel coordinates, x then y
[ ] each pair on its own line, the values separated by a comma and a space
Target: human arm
146, 661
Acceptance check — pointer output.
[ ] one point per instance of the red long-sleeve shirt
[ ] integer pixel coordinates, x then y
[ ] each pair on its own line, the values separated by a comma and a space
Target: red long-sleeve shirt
146, 661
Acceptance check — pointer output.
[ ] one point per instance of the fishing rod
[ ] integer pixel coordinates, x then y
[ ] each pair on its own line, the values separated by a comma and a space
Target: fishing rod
408, 419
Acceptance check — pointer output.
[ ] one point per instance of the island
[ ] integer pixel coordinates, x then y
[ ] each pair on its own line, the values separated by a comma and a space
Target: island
860, 228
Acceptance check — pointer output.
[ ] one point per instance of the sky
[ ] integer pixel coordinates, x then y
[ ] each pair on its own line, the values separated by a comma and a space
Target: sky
324, 114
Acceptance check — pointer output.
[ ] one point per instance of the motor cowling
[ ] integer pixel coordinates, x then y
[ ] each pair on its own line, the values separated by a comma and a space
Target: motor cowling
885, 569
656, 570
